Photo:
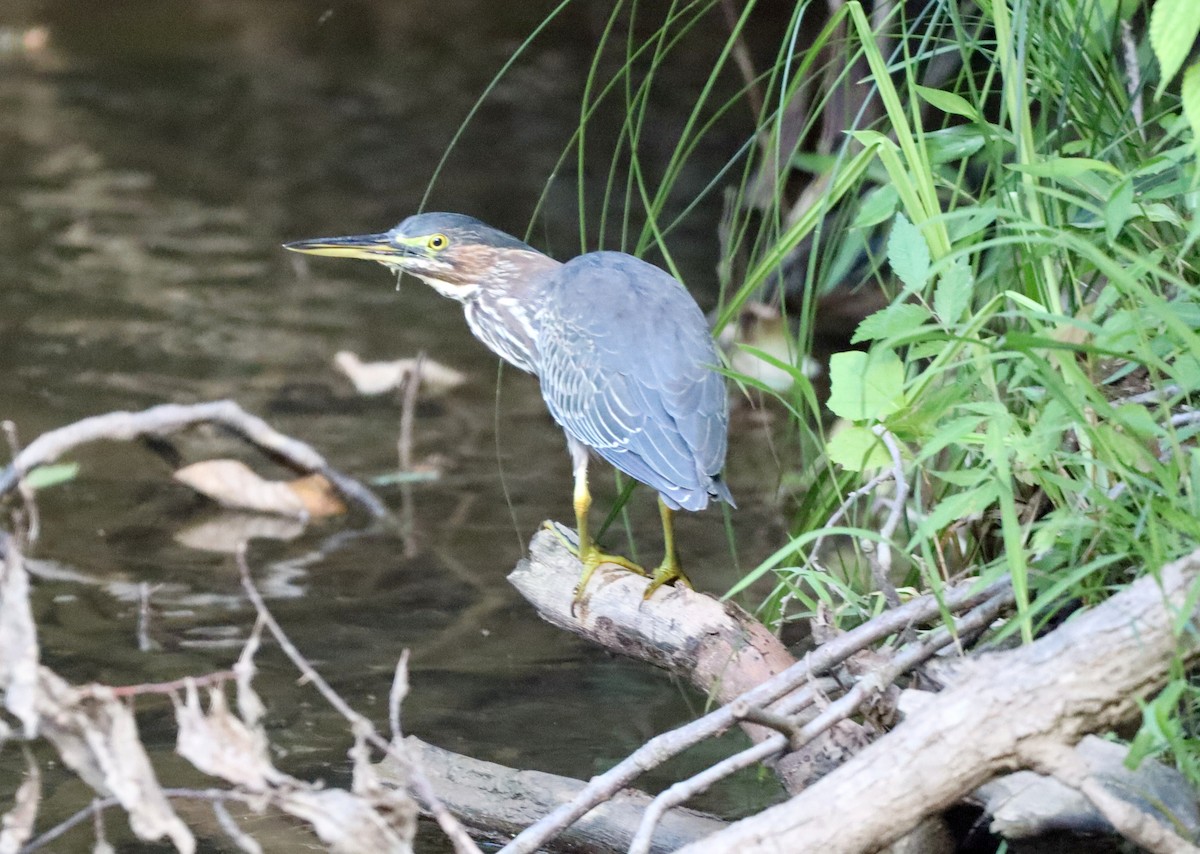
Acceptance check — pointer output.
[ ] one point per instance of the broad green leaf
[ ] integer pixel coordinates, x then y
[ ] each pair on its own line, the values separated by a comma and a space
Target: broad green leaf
1191, 96
908, 253
1185, 371
877, 207
1158, 212
895, 319
948, 102
865, 386
949, 145
1064, 167
857, 448
1119, 210
1174, 26
46, 476
953, 292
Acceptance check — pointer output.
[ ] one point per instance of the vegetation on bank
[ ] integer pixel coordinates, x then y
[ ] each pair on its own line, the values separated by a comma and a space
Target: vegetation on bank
1019, 181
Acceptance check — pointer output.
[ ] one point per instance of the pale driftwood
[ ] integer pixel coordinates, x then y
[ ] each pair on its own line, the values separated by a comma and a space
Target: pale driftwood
172, 417
498, 801
720, 648
1028, 804
547, 579
1009, 710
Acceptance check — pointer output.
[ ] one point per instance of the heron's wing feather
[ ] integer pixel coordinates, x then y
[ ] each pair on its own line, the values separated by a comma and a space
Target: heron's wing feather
626, 364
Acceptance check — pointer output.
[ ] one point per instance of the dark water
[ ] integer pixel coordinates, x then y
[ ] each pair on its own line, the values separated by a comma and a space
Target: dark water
154, 156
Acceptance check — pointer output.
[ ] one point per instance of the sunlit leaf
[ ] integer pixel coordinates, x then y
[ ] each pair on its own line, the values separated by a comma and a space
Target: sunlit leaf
865, 386
857, 448
908, 253
1191, 96
1174, 26
948, 102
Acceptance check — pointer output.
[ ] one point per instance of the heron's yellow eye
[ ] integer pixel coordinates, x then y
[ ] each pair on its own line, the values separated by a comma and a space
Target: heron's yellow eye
437, 242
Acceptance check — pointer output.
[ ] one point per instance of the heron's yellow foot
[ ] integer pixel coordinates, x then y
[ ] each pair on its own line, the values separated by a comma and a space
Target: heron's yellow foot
591, 556
669, 570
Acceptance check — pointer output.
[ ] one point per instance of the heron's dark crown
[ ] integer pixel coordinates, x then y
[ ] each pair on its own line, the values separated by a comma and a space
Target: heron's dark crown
460, 227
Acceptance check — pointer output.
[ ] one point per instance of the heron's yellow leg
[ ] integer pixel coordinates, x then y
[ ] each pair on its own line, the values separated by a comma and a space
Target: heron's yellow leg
669, 570
588, 552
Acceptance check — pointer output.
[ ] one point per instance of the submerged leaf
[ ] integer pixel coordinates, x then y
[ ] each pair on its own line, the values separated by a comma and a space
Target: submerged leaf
372, 378
43, 477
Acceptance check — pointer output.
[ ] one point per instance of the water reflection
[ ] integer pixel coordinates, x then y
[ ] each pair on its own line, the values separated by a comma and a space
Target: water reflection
155, 156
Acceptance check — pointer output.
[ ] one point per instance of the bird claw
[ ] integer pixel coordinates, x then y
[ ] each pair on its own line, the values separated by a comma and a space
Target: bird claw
667, 572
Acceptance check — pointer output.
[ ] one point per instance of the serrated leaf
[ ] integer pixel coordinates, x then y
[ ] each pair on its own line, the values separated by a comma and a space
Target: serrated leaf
908, 254
857, 448
878, 206
895, 319
47, 476
953, 292
948, 102
865, 386
1191, 97
1174, 26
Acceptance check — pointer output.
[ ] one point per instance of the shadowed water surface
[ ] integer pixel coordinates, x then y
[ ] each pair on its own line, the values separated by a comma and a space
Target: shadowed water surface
155, 156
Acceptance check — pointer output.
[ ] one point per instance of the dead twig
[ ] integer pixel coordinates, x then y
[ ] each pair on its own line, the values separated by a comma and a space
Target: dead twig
33, 526
361, 725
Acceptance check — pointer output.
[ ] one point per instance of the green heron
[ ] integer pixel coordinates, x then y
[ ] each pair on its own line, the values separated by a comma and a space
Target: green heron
620, 348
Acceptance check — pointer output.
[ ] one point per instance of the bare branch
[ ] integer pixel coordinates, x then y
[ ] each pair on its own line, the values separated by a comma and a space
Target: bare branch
172, 417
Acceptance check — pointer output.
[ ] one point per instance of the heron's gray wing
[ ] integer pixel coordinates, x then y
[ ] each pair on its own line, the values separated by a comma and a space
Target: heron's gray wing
626, 367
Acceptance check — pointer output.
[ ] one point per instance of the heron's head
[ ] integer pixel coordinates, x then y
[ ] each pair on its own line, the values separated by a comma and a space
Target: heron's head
456, 254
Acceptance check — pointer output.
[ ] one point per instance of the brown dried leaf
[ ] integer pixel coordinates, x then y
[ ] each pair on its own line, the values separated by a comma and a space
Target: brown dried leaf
220, 744
318, 495
233, 484
18, 639
96, 736
372, 378
17, 825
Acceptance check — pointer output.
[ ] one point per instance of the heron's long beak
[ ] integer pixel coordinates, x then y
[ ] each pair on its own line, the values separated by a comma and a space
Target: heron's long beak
369, 247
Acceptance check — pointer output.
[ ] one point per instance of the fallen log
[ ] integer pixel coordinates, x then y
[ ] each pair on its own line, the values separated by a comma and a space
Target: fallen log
1022, 708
